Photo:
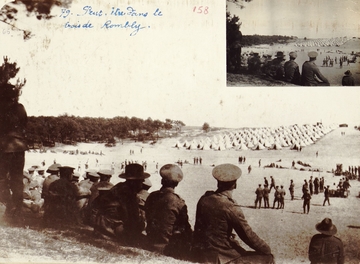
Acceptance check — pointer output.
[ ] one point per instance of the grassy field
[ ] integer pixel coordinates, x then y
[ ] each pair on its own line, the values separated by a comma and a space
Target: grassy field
287, 231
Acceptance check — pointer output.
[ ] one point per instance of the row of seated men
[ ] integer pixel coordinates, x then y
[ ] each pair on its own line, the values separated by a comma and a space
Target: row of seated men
157, 221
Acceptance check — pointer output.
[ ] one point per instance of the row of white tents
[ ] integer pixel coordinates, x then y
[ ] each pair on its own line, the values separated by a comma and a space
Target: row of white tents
331, 42
294, 137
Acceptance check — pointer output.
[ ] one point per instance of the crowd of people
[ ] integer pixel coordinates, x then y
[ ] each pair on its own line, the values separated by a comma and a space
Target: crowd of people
127, 212
309, 188
289, 71
158, 221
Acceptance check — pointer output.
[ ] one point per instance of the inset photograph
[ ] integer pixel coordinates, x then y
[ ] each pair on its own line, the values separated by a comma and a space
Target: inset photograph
292, 43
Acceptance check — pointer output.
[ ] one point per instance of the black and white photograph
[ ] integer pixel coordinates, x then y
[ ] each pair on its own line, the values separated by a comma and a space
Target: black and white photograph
146, 131
293, 43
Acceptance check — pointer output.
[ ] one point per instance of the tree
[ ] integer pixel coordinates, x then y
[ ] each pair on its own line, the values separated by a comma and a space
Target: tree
8, 71
40, 8
206, 127
233, 39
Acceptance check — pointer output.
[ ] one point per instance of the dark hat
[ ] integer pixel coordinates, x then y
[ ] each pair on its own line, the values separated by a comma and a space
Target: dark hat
226, 172
348, 72
326, 227
171, 172
53, 168
312, 54
31, 169
279, 54
40, 171
66, 169
134, 171
108, 173
256, 54
293, 54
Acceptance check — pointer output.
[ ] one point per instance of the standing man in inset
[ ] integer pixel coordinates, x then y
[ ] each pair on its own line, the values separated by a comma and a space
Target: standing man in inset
311, 75
13, 121
217, 216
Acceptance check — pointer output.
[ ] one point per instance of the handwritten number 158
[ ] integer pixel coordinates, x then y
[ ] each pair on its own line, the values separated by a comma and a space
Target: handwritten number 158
201, 9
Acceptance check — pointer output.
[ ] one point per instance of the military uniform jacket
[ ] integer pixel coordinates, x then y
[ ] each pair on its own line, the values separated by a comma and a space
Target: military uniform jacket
13, 120
326, 249
259, 192
166, 216
217, 215
292, 73
119, 209
309, 71
266, 192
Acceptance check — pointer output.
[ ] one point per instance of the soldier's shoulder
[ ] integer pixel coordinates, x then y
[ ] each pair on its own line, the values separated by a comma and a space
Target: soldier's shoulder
337, 239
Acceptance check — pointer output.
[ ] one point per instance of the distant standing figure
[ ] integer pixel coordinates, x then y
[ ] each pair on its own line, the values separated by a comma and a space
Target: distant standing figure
311, 75
325, 247
291, 189
348, 80
276, 198
311, 186
266, 192
272, 182
266, 181
327, 195
259, 163
259, 195
249, 169
307, 197
282, 197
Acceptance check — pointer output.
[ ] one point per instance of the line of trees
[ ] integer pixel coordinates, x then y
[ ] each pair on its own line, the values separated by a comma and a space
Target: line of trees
249, 40
46, 130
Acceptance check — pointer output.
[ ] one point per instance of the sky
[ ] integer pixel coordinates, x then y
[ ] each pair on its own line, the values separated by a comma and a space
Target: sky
301, 18
174, 67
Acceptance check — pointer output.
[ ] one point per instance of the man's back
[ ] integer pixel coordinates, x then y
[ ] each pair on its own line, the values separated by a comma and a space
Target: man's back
326, 249
309, 71
217, 215
166, 214
292, 73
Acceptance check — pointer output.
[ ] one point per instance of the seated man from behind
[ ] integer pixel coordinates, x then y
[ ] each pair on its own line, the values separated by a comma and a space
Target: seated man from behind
311, 75
168, 229
116, 214
325, 247
217, 216
292, 72
61, 200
